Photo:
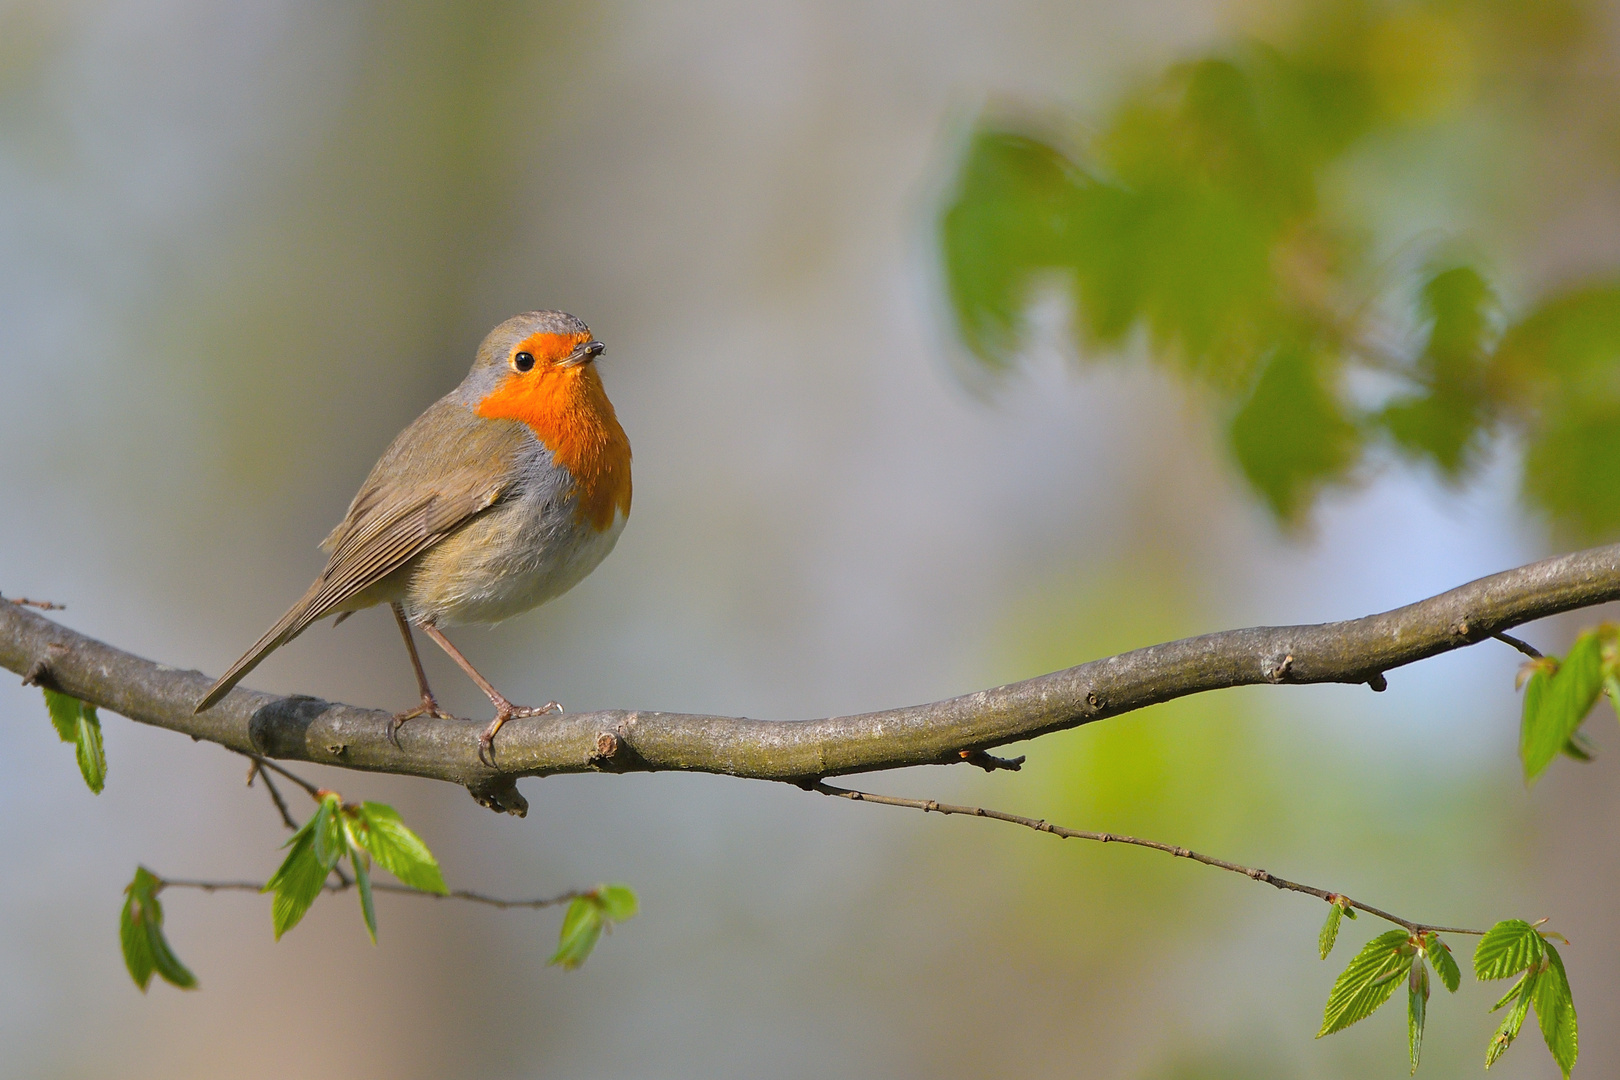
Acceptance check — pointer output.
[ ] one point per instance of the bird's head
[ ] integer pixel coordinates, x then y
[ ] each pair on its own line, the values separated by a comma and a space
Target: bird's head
529, 357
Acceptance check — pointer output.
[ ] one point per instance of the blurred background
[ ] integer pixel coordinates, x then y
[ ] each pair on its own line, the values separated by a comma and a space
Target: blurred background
242, 245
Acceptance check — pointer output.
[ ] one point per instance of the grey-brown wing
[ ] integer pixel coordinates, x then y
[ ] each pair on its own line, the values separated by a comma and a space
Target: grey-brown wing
443, 469
446, 467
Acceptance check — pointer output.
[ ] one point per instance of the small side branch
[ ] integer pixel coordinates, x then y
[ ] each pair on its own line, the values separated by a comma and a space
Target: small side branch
264, 763
43, 605
344, 884
1252, 873
1523, 646
257, 770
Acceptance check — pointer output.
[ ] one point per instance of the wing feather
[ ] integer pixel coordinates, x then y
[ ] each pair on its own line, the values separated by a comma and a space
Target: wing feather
443, 470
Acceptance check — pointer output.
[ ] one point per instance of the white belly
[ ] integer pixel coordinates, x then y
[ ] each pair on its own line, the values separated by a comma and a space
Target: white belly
514, 556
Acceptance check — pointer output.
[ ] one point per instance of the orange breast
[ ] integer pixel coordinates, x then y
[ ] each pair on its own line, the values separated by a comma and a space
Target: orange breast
568, 411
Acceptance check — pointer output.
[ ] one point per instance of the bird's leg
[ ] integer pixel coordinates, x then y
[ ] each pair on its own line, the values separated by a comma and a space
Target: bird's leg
430, 704
504, 709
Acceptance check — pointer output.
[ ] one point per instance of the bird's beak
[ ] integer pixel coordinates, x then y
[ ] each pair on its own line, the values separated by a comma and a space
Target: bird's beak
584, 354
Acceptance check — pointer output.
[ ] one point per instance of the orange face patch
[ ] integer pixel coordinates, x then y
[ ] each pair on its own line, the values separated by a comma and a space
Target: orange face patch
568, 411
547, 349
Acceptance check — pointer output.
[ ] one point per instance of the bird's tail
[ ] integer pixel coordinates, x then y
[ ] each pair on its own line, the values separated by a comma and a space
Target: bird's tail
287, 627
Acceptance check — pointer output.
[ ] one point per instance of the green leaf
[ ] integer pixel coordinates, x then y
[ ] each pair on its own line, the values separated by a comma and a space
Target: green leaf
302, 874
76, 722
1579, 747
1417, 1004
326, 831
1439, 954
1612, 686
361, 861
1555, 1009
1368, 981
1559, 709
1003, 225
1330, 929
397, 849
132, 936
1292, 436
64, 710
1557, 365
163, 959
140, 933
1445, 423
581, 927
1507, 948
92, 757
1520, 995
618, 902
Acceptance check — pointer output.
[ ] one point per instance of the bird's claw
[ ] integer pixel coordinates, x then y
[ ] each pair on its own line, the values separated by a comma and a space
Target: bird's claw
486, 741
429, 707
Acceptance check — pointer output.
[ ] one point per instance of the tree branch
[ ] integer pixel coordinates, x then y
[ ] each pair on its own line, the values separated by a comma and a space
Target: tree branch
1041, 825
309, 729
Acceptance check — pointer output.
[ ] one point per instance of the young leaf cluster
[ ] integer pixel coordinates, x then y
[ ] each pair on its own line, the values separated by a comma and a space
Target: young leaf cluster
1515, 947
361, 833
1558, 694
1194, 218
1511, 947
140, 932
76, 722
588, 916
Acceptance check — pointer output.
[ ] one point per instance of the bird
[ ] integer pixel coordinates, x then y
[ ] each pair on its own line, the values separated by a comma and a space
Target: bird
502, 495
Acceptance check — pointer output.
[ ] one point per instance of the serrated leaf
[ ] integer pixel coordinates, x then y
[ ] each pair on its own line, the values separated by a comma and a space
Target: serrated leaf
361, 860
1445, 965
1368, 981
1520, 995
1555, 1010
1417, 1004
1330, 930
581, 927
1507, 948
399, 850
298, 881
76, 722
140, 933
1570, 693
618, 902
88, 749
64, 710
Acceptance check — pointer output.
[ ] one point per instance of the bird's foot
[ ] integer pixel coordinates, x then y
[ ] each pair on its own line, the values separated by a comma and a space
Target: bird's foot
504, 711
429, 707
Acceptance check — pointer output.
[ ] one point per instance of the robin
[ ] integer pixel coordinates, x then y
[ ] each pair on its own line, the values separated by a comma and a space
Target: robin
504, 494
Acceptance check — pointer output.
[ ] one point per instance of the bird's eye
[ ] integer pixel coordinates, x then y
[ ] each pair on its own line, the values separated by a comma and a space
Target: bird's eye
523, 361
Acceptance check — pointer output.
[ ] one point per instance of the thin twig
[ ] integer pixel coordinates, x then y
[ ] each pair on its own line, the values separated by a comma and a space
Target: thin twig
256, 769
266, 763
381, 886
43, 605
1523, 646
932, 806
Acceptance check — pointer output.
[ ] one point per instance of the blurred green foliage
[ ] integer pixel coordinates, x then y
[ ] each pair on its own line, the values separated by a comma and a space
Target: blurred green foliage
1215, 220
